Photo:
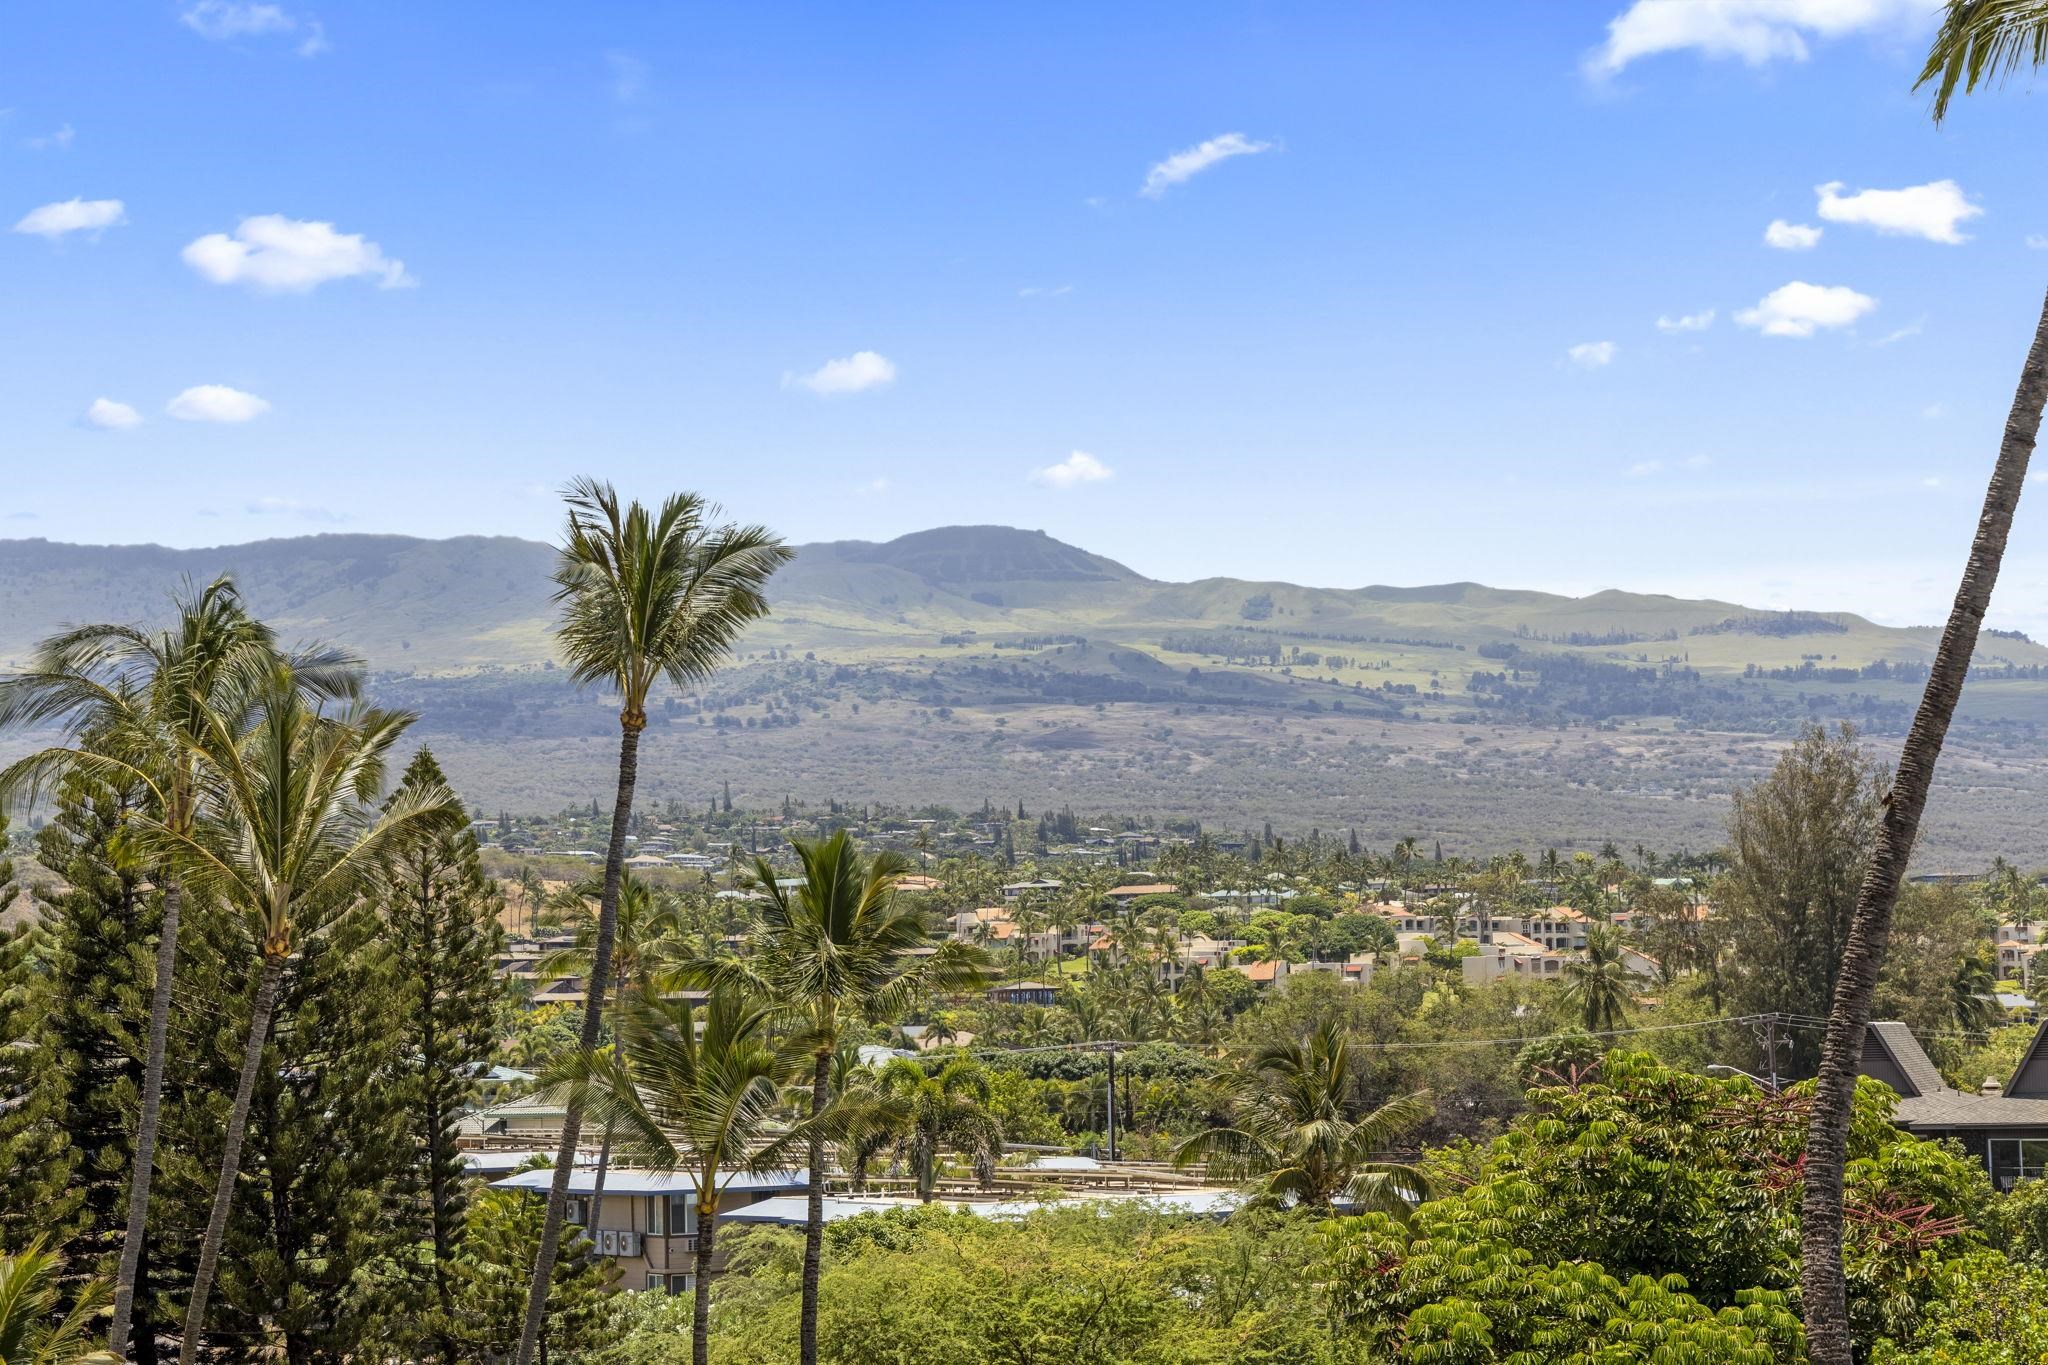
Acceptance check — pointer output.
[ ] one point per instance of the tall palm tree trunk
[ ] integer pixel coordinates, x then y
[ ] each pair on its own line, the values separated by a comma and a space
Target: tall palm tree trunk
814, 1214
143, 1170
604, 1160
700, 1320
630, 726
1821, 1279
230, 1158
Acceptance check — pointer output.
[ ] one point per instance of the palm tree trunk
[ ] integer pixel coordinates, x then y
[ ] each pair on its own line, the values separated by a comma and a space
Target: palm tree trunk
814, 1215
144, 1167
230, 1158
604, 1159
1825, 1292
630, 727
700, 1321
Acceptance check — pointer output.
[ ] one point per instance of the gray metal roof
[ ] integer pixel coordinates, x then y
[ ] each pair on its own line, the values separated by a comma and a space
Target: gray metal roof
632, 1181
1934, 1103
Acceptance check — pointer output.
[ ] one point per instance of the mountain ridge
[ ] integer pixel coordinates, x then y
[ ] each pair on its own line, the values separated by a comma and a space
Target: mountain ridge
467, 602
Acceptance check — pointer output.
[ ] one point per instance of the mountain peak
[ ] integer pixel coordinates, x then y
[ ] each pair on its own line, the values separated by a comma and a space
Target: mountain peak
953, 555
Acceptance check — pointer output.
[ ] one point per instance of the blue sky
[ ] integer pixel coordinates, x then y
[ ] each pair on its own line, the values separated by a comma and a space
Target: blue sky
859, 270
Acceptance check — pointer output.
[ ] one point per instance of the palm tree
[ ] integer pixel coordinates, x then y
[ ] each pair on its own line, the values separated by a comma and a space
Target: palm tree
949, 1109
833, 949
1599, 982
1980, 41
872, 1119
1296, 1127
133, 706
648, 920
28, 1303
702, 1103
644, 596
286, 839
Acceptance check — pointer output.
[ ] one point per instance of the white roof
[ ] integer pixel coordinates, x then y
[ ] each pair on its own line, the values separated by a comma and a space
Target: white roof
632, 1180
792, 1210
487, 1163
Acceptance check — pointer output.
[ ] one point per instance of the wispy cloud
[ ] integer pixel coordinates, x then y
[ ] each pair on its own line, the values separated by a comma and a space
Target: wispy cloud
856, 373
1078, 468
221, 21
1688, 322
216, 403
1799, 309
73, 215
1792, 236
1039, 291
278, 255
872, 488
59, 141
292, 507
1184, 165
1756, 32
1644, 469
1591, 355
1911, 329
1932, 211
2036, 242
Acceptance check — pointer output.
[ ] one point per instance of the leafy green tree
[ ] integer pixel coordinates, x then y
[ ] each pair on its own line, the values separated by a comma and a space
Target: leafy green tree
286, 842
836, 948
89, 1044
644, 596
147, 700
501, 1235
441, 915
702, 1103
1798, 842
1297, 1126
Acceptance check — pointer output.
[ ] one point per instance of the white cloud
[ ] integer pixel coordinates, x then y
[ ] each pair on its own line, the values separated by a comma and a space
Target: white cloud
1798, 309
1039, 291
1934, 412
873, 487
109, 415
851, 374
2036, 242
1931, 210
1930, 482
59, 141
222, 21
216, 403
1591, 355
629, 77
1792, 236
72, 215
1184, 165
1911, 329
1687, 322
1078, 468
1756, 32
281, 255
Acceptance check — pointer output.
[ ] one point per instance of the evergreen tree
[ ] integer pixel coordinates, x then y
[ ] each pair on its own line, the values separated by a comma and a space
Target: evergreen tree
728, 796
502, 1233
36, 1155
441, 917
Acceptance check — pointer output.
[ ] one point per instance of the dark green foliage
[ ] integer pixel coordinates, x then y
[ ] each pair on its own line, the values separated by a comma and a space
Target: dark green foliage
489, 1283
441, 928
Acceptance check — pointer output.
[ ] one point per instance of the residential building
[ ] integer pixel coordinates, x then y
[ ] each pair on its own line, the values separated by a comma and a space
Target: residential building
2004, 1126
648, 1222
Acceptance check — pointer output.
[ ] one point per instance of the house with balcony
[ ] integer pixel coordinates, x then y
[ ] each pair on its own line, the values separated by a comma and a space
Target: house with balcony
647, 1224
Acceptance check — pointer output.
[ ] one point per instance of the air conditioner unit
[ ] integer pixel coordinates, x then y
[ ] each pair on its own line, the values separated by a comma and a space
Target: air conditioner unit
629, 1244
607, 1242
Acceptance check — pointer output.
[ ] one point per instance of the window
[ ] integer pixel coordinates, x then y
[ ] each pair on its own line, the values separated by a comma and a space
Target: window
2015, 1159
657, 1284
657, 1224
682, 1215
681, 1284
